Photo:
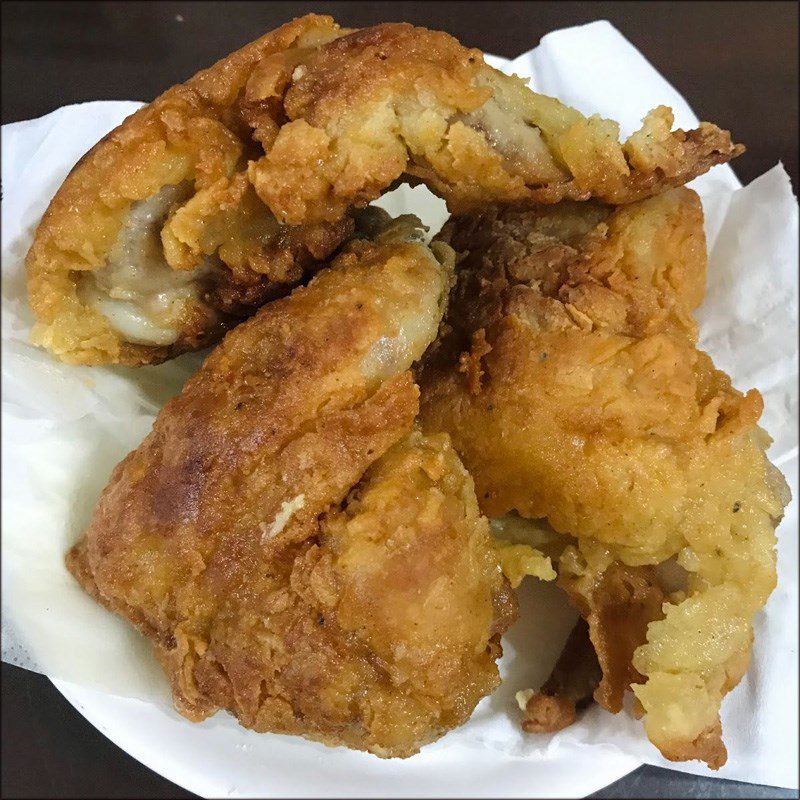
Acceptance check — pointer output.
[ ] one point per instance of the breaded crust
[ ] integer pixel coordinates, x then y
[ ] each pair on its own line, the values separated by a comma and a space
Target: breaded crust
294, 551
568, 375
394, 100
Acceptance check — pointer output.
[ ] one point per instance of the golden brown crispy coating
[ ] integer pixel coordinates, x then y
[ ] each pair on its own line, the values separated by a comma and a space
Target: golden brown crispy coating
374, 104
296, 553
573, 307
101, 282
569, 379
421, 587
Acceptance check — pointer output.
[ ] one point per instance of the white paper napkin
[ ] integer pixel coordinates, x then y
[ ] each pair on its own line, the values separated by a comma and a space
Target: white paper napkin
65, 428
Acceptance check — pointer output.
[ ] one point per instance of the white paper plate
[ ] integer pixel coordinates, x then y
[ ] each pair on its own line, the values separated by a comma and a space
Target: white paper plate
217, 758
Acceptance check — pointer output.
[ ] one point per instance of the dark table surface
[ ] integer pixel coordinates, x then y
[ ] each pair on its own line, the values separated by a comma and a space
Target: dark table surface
736, 64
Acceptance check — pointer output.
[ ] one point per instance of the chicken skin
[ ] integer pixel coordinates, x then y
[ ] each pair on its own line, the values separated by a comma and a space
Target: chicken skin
295, 550
569, 378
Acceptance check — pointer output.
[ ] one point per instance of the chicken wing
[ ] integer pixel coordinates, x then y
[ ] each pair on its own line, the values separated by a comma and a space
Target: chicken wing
569, 378
295, 550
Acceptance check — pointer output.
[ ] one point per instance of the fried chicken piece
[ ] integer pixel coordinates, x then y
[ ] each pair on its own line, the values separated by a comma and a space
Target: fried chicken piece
569, 378
156, 242
227, 190
367, 108
295, 551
